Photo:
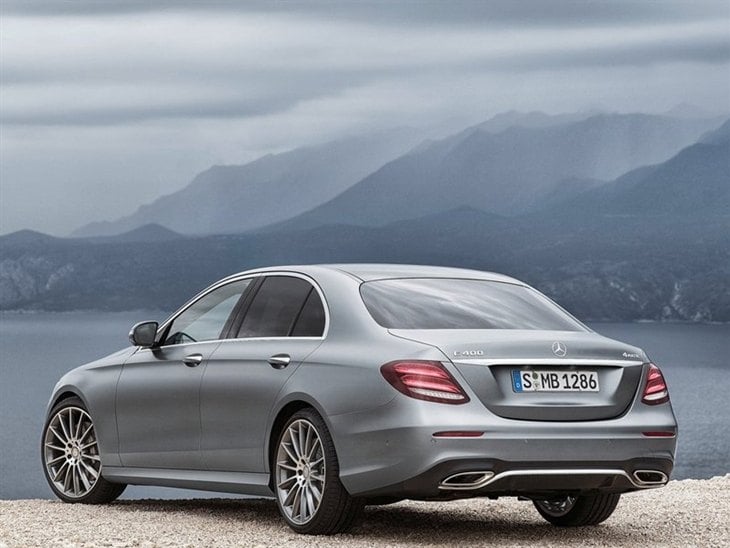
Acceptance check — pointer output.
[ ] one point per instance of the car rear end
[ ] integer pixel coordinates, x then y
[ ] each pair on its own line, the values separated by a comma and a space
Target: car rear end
516, 408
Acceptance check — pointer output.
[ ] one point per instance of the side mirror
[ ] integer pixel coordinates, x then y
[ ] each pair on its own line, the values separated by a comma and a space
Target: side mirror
143, 334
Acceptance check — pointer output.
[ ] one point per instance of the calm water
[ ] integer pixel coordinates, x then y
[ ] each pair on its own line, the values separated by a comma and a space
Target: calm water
35, 349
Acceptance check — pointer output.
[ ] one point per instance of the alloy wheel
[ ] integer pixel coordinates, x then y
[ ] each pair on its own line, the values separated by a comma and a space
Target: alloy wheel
71, 452
300, 471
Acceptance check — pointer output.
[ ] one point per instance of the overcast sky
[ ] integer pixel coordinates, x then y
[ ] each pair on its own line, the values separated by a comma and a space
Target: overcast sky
107, 105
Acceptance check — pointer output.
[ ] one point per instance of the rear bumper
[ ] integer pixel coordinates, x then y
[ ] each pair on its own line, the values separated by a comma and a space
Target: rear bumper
391, 451
493, 478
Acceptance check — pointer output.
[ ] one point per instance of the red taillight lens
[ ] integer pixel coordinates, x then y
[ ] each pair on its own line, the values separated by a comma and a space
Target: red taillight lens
459, 434
655, 391
424, 380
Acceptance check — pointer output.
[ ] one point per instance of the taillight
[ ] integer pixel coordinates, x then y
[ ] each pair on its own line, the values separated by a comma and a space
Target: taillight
459, 434
659, 434
655, 390
424, 380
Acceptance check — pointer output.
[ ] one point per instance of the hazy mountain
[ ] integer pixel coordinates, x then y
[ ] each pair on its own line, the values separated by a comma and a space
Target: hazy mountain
26, 238
695, 183
687, 110
226, 199
652, 244
638, 269
509, 172
720, 135
151, 232
532, 119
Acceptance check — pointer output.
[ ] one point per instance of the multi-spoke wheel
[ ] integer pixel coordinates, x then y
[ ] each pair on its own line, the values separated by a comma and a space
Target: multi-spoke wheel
300, 471
577, 510
71, 459
306, 478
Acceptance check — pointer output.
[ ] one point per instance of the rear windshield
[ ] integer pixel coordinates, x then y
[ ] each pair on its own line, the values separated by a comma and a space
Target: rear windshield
441, 303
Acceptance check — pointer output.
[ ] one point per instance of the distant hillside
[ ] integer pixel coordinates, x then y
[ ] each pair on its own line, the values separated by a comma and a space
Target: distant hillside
665, 269
652, 244
646, 246
227, 199
695, 182
26, 238
532, 119
151, 232
508, 164
718, 136
508, 172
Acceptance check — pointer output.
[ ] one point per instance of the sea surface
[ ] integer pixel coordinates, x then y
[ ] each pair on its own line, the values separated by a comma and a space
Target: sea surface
37, 348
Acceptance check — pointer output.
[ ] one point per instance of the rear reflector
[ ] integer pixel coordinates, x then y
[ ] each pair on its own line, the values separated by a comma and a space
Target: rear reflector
458, 434
655, 391
424, 380
659, 434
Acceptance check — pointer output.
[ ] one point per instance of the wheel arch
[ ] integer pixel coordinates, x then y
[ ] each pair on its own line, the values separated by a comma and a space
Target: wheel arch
65, 393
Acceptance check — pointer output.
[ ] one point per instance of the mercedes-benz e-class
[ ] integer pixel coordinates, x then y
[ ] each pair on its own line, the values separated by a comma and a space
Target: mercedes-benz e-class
330, 387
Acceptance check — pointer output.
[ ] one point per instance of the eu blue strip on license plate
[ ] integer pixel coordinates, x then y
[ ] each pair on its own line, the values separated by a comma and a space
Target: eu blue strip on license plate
517, 381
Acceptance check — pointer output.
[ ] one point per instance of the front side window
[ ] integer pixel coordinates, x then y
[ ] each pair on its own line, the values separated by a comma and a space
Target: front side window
284, 306
440, 303
205, 319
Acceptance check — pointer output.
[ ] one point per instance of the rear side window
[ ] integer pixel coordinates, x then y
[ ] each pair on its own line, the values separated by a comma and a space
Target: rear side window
310, 322
440, 303
280, 307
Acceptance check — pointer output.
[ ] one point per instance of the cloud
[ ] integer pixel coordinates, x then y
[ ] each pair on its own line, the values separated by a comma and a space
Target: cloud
159, 90
116, 70
553, 13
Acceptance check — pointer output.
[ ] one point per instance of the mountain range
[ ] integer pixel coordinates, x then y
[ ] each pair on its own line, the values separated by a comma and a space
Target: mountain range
509, 172
235, 198
547, 203
507, 165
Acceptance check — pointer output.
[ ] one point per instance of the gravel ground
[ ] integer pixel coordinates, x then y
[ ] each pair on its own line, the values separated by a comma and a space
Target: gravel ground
685, 513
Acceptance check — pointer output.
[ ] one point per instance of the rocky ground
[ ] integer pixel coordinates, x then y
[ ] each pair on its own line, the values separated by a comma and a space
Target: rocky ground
685, 513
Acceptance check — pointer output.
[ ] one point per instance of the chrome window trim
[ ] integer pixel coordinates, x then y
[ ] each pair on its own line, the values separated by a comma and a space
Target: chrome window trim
544, 361
239, 339
238, 278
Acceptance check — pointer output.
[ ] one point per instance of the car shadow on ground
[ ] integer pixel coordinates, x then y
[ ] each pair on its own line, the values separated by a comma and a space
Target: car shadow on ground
480, 525
409, 523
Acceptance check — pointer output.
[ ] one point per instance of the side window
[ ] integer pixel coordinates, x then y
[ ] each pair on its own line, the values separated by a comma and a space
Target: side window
310, 322
275, 307
205, 319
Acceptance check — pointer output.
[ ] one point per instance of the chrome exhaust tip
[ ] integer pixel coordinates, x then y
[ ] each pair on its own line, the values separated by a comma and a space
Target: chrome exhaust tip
465, 481
646, 478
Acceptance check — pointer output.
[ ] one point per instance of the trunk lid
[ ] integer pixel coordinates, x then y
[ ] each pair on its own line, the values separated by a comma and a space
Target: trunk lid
488, 359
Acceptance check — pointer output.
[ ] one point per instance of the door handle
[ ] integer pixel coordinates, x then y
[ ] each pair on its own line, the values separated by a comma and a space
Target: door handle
193, 360
279, 361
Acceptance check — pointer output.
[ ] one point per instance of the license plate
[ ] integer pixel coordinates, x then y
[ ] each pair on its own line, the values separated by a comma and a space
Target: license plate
555, 381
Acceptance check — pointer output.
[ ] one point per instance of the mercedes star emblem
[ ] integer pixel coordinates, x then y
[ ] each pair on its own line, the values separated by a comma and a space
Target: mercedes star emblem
559, 349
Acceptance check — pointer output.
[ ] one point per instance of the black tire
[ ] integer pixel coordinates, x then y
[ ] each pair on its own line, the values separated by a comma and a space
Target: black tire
578, 511
101, 491
337, 511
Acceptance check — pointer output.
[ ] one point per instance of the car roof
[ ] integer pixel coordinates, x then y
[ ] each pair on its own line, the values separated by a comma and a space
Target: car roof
374, 271
377, 271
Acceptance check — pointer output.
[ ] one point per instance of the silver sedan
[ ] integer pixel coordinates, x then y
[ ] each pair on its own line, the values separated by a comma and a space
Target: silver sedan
330, 387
